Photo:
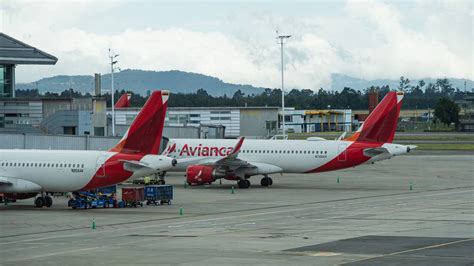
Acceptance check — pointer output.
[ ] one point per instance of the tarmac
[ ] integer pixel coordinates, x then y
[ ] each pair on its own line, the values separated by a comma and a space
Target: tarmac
413, 209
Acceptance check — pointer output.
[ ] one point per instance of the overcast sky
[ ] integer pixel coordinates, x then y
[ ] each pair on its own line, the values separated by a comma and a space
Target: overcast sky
235, 41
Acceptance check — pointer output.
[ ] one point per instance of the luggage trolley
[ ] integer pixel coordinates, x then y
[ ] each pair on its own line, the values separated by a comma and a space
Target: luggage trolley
158, 194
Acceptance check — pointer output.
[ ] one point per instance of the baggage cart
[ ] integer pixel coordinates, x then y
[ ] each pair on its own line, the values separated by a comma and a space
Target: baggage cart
158, 194
133, 196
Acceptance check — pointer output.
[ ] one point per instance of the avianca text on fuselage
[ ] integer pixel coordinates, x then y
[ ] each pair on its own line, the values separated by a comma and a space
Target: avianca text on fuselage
200, 150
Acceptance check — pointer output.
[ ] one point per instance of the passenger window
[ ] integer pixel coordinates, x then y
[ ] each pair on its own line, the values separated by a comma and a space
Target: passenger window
69, 165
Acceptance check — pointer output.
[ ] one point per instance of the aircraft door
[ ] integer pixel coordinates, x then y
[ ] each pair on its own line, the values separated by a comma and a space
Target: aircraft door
342, 152
100, 165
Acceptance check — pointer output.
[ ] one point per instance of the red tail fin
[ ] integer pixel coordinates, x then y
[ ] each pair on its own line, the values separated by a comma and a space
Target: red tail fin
123, 101
144, 135
381, 124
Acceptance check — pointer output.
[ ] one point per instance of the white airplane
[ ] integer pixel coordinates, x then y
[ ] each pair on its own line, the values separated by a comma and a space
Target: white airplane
24, 173
205, 160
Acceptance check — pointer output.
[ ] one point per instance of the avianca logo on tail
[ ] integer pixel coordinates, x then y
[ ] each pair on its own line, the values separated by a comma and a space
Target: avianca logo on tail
200, 150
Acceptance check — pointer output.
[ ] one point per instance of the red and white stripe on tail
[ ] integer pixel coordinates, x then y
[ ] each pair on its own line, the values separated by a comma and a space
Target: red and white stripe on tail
144, 135
381, 124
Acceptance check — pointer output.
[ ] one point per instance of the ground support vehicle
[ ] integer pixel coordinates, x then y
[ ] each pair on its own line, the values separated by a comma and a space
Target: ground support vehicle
87, 200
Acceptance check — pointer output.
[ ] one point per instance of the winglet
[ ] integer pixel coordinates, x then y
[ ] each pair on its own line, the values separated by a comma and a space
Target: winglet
236, 149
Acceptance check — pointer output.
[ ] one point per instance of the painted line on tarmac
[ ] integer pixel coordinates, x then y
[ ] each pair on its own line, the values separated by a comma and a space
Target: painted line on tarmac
225, 218
414, 249
78, 250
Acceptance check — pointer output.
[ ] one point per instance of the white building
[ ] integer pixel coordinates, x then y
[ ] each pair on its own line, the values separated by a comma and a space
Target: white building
253, 122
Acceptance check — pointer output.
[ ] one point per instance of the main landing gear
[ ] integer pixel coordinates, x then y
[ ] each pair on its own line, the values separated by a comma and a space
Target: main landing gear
43, 200
266, 181
243, 183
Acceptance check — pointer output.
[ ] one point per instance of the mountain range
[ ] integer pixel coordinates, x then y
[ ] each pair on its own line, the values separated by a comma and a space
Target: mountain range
140, 81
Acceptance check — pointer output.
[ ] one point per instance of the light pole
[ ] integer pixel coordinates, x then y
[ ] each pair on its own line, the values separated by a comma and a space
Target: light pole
281, 40
112, 68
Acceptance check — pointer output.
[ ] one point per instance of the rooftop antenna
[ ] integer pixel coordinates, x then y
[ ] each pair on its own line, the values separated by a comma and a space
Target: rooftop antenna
281, 39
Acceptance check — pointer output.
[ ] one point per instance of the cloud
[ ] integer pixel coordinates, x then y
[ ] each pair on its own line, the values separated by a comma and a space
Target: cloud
365, 39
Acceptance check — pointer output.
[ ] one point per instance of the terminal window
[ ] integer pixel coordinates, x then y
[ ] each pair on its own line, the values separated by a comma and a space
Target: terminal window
6, 78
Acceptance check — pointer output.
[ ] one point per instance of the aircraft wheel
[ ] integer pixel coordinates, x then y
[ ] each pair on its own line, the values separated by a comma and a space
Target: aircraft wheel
48, 201
39, 202
266, 181
244, 183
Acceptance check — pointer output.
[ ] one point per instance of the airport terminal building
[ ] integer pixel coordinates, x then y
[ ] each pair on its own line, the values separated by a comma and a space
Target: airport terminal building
18, 113
253, 122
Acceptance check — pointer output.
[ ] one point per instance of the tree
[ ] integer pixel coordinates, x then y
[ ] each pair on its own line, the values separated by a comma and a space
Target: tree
445, 86
447, 111
404, 84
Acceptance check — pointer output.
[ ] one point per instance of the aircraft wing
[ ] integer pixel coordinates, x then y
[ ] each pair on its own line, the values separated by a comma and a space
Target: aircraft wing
133, 166
230, 160
232, 163
5, 181
11, 184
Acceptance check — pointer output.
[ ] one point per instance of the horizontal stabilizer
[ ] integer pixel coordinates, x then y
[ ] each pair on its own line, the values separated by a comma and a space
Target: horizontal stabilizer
372, 152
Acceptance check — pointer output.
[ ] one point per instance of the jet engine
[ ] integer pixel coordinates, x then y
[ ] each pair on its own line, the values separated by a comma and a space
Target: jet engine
203, 174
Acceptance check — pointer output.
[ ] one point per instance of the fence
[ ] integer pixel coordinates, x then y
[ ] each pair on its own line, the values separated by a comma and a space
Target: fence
55, 142
70, 142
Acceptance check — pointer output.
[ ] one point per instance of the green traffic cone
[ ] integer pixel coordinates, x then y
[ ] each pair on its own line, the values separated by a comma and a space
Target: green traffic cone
232, 190
181, 212
411, 186
93, 223
185, 184
338, 180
